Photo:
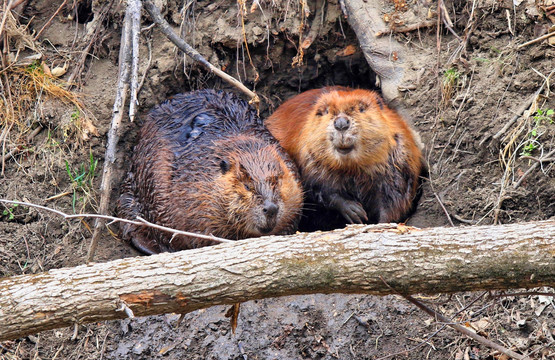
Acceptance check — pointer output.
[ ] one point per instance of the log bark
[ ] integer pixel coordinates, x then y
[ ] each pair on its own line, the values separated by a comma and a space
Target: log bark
378, 259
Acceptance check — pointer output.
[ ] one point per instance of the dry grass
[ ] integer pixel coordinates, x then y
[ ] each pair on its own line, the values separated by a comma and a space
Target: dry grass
29, 87
26, 85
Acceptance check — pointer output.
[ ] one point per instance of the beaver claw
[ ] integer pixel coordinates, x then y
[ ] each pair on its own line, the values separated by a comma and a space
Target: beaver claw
352, 211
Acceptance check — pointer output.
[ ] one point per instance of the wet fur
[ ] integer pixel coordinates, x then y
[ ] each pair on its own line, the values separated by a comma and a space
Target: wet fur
381, 172
204, 163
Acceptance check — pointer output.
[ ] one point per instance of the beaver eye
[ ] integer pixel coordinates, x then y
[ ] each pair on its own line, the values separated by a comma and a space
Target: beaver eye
224, 166
322, 111
362, 108
247, 187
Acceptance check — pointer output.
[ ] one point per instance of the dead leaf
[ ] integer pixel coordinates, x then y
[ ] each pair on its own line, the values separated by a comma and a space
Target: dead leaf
46, 69
405, 229
59, 70
347, 51
166, 349
306, 43
481, 325
88, 129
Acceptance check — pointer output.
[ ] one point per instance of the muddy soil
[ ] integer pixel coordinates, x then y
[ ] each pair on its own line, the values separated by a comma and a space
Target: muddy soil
458, 98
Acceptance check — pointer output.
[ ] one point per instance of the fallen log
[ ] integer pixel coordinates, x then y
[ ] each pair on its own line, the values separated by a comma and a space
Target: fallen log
378, 259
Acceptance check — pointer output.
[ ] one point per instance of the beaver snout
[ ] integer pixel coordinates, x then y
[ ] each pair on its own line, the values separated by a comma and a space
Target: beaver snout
342, 134
268, 221
341, 123
270, 209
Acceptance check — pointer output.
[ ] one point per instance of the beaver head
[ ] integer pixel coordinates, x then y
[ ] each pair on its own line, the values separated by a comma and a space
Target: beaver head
349, 130
260, 193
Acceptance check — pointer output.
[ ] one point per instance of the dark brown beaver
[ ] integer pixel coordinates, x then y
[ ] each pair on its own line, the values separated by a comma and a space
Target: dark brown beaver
359, 160
204, 163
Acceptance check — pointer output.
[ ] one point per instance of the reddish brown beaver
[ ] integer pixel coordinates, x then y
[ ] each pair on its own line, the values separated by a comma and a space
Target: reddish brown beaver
205, 163
359, 160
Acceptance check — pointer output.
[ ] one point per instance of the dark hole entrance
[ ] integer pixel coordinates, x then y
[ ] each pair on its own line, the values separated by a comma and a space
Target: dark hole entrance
84, 13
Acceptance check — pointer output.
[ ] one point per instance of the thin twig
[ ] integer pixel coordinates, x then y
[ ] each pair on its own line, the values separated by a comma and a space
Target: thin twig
140, 221
540, 160
543, 37
459, 328
422, 343
87, 51
503, 189
532, 168
195, 55
14, 4
546, 346
520, 110
482, 340
7, 9
242, 11
447, 20
463, 220
444, 209
15, 150
523, 293
443, 326
47, 24
3, 137
149, 46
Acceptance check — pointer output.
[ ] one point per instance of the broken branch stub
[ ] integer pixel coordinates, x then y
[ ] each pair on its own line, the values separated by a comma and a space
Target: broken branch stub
384, 54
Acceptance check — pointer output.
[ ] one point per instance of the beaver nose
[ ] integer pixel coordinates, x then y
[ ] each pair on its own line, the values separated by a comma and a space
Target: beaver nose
270, 209
341, 123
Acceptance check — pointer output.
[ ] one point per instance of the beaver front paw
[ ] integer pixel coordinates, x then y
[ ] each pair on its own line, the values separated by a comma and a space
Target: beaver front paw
352, 211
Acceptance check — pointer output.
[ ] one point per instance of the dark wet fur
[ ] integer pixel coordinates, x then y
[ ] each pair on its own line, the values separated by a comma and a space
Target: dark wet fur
398, 184
184, 144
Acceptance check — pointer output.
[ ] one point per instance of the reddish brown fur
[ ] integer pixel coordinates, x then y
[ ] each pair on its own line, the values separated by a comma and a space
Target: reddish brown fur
382, 145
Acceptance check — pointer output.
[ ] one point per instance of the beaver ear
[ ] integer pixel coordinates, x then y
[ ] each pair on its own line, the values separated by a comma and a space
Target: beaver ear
225, 166
379, 101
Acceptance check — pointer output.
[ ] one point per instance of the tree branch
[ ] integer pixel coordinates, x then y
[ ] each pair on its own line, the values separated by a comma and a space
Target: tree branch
195, 55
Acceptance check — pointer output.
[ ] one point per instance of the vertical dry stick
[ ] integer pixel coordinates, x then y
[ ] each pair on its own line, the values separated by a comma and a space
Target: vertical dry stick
135, 33
113, 133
